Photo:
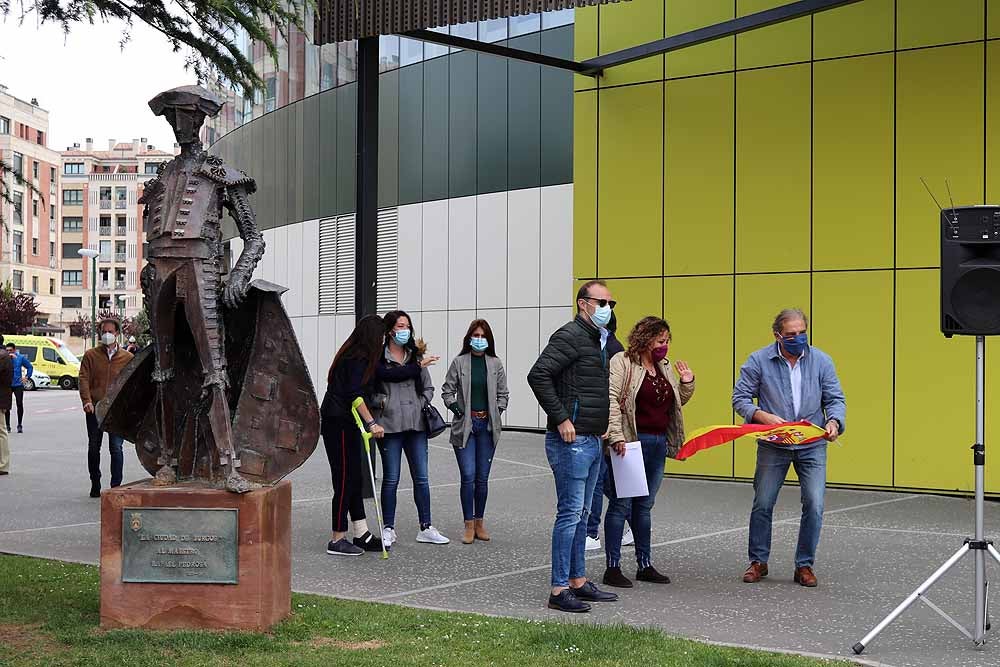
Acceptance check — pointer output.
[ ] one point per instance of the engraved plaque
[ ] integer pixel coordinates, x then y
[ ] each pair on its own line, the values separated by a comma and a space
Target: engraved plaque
180, 546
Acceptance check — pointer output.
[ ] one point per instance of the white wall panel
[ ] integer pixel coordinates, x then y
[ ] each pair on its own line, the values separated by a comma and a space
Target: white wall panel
550, 320
522, 351
410, 257
491, 250
434, 330
326, 349
297, 328
293, 269
556, 270
458, 324
462, 253
310, 267
279, 258
309, 341
497, 319
524, 218
435, 256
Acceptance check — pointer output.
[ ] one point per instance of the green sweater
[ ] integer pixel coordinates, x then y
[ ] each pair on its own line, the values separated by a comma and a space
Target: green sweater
479, 397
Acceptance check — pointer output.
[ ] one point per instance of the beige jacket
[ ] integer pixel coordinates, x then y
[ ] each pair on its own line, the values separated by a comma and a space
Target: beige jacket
622, 426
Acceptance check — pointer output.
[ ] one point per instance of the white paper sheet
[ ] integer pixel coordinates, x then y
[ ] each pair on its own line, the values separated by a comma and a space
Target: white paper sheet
629, 471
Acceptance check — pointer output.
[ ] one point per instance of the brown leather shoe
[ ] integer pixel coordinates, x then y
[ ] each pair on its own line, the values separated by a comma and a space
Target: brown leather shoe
470, 532
482, 534
755, 573
805, 577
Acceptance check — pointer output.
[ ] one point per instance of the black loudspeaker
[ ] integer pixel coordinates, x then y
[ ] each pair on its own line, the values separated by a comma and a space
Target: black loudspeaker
970, 271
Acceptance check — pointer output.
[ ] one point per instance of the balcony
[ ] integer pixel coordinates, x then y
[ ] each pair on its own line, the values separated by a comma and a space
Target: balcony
119, 257
105, 230
105, 204
121, 204
103, 284
52, 262
105, 257
122, 231
119, 284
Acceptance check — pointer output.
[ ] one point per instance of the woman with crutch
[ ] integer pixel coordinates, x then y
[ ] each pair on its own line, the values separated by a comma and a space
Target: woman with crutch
355, 373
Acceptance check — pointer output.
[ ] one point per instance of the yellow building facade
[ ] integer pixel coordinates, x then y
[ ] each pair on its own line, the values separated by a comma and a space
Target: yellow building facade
719, 184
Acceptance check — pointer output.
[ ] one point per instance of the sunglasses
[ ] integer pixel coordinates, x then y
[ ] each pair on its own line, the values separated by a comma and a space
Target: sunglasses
602, 302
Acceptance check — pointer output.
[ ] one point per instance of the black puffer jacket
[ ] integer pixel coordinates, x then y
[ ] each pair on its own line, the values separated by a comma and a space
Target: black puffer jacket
570, 379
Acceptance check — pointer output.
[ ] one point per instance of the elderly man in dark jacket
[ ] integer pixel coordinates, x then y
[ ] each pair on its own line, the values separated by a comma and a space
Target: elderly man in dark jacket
6, 392
570, 381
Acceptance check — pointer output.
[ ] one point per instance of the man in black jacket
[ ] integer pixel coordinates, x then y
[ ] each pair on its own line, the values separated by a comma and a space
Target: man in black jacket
570, 381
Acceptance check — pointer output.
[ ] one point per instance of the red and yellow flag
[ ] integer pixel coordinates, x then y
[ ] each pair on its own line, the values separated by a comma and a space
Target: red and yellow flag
792, 433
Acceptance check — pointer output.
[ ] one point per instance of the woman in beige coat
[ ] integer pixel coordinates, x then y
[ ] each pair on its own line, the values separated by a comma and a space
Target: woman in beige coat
647, 393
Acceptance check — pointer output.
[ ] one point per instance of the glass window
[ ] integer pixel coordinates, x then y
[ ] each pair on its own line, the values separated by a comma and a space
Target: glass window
72, 278
432, 50
34, 248
52, 285
4, 125
557, 18
52, 248
30, 351
523, 25
41, 138
388, 53
18, 164
270, 93
151, 167
410, 51
72, 250
49, 354
466, 30
34, 169
34, 208
72, 197
18, 202
328, 67
18, 281
312, 69
72, 302
17, 246
34, 284
347, 62
72, 224
106, 194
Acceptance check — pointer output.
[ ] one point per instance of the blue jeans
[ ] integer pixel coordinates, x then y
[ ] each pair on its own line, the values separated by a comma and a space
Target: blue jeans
654, 457
574, 466
474, 462
597, 507
772, 466
392, 446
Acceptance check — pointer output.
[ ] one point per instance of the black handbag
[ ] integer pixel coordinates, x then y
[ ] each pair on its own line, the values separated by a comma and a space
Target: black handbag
434, 424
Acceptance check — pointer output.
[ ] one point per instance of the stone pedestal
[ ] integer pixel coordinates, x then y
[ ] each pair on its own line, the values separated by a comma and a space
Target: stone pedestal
261, 596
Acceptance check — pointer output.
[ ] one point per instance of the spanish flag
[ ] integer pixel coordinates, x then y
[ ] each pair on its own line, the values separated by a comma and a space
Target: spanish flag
792, 433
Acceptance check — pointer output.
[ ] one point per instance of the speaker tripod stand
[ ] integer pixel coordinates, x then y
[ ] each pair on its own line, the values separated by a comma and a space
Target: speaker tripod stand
977, 546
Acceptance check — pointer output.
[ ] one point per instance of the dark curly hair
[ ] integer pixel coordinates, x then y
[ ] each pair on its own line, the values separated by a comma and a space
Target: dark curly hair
643, 333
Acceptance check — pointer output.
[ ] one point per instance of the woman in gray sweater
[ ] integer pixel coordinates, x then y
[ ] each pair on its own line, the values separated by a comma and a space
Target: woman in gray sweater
400, 413
475, 390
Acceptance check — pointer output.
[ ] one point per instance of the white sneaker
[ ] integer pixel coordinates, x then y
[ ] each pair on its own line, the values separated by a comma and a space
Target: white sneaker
593, 543
388, 536
627, 538
432, 536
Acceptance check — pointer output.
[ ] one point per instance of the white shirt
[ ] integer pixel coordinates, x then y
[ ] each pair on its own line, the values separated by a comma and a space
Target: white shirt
796, 377
604, 337
111, 351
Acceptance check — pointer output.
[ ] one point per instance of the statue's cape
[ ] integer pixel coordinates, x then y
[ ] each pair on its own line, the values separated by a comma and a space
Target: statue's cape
271, 397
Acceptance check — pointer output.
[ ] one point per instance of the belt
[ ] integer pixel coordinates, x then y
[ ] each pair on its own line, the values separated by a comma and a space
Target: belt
480, 414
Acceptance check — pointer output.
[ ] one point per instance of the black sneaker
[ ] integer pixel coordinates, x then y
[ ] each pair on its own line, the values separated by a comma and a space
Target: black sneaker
343, 548
368, 542
568, 602
613, 577
650, 575
592, 593
19, 429
95, 489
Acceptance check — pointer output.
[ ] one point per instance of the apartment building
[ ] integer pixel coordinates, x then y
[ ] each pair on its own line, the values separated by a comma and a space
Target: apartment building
29, 239
100, 194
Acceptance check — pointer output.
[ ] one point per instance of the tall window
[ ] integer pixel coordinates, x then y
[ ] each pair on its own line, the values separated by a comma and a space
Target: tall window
4, 125
41, 139
73, 168
105, 194
34, 169
52, 285
18, 281
34, 284
18, 164
52, 249
72, 224
18, 200
34, 248
72, 197
34, 208
152, 167
16, 247
72, 278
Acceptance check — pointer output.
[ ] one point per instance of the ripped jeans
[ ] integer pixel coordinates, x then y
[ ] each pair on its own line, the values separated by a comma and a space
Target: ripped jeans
575, 467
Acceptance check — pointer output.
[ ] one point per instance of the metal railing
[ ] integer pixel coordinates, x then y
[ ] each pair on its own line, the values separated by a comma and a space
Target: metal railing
119, 284
105, 230
52, 262
121, 203
119, 257
104, 284
105, 204
122, 231
105, 257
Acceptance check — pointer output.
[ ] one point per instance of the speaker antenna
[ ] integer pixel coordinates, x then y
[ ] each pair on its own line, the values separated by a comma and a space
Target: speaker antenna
947, 185
928, 188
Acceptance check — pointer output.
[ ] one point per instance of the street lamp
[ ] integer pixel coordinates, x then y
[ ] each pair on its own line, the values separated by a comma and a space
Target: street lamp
92, 254
122, 300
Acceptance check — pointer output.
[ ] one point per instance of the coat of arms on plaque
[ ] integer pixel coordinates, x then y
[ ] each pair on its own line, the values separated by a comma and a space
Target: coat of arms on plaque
135, 522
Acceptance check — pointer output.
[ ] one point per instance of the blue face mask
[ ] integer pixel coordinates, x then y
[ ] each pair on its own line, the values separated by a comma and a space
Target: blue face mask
478, 343
601, 316
797, 345
402, 337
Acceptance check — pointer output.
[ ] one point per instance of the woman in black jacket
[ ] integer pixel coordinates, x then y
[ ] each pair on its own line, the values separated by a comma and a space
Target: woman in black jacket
355, 372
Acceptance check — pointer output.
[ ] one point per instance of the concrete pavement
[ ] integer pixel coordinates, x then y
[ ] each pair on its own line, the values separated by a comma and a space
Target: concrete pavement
876, 548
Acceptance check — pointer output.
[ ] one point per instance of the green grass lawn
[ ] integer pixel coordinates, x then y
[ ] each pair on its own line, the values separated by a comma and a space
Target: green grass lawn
49, 616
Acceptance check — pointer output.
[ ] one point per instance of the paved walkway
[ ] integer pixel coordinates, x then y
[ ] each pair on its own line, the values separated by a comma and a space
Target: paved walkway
876, 548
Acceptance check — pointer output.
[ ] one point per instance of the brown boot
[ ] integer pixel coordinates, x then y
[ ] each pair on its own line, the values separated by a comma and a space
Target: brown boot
470, 532
805, 577
481, 532
755, 573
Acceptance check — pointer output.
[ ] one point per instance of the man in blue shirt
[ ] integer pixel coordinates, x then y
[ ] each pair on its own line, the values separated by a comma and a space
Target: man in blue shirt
17, 384
791, 381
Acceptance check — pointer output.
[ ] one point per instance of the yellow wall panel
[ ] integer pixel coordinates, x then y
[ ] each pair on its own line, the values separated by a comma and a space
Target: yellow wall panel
630, 24
939, 135
708, 350
992, 19
786, 42
852, 322
932, 445
585, 189
717, 56
992, 415
993, 120
630, 172
758, 299
853, 163
585, 43
865, 27
773, 110
932, 22
699, 176
636, 299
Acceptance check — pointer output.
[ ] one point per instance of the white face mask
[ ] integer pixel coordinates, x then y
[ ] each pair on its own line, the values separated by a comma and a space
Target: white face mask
108, 338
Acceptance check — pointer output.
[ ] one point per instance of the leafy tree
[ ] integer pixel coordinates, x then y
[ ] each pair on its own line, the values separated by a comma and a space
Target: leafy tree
138, 326
17, 311
6, 197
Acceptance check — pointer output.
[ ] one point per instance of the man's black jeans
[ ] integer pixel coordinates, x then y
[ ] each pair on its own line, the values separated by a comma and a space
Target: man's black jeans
19, 399
95, 437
